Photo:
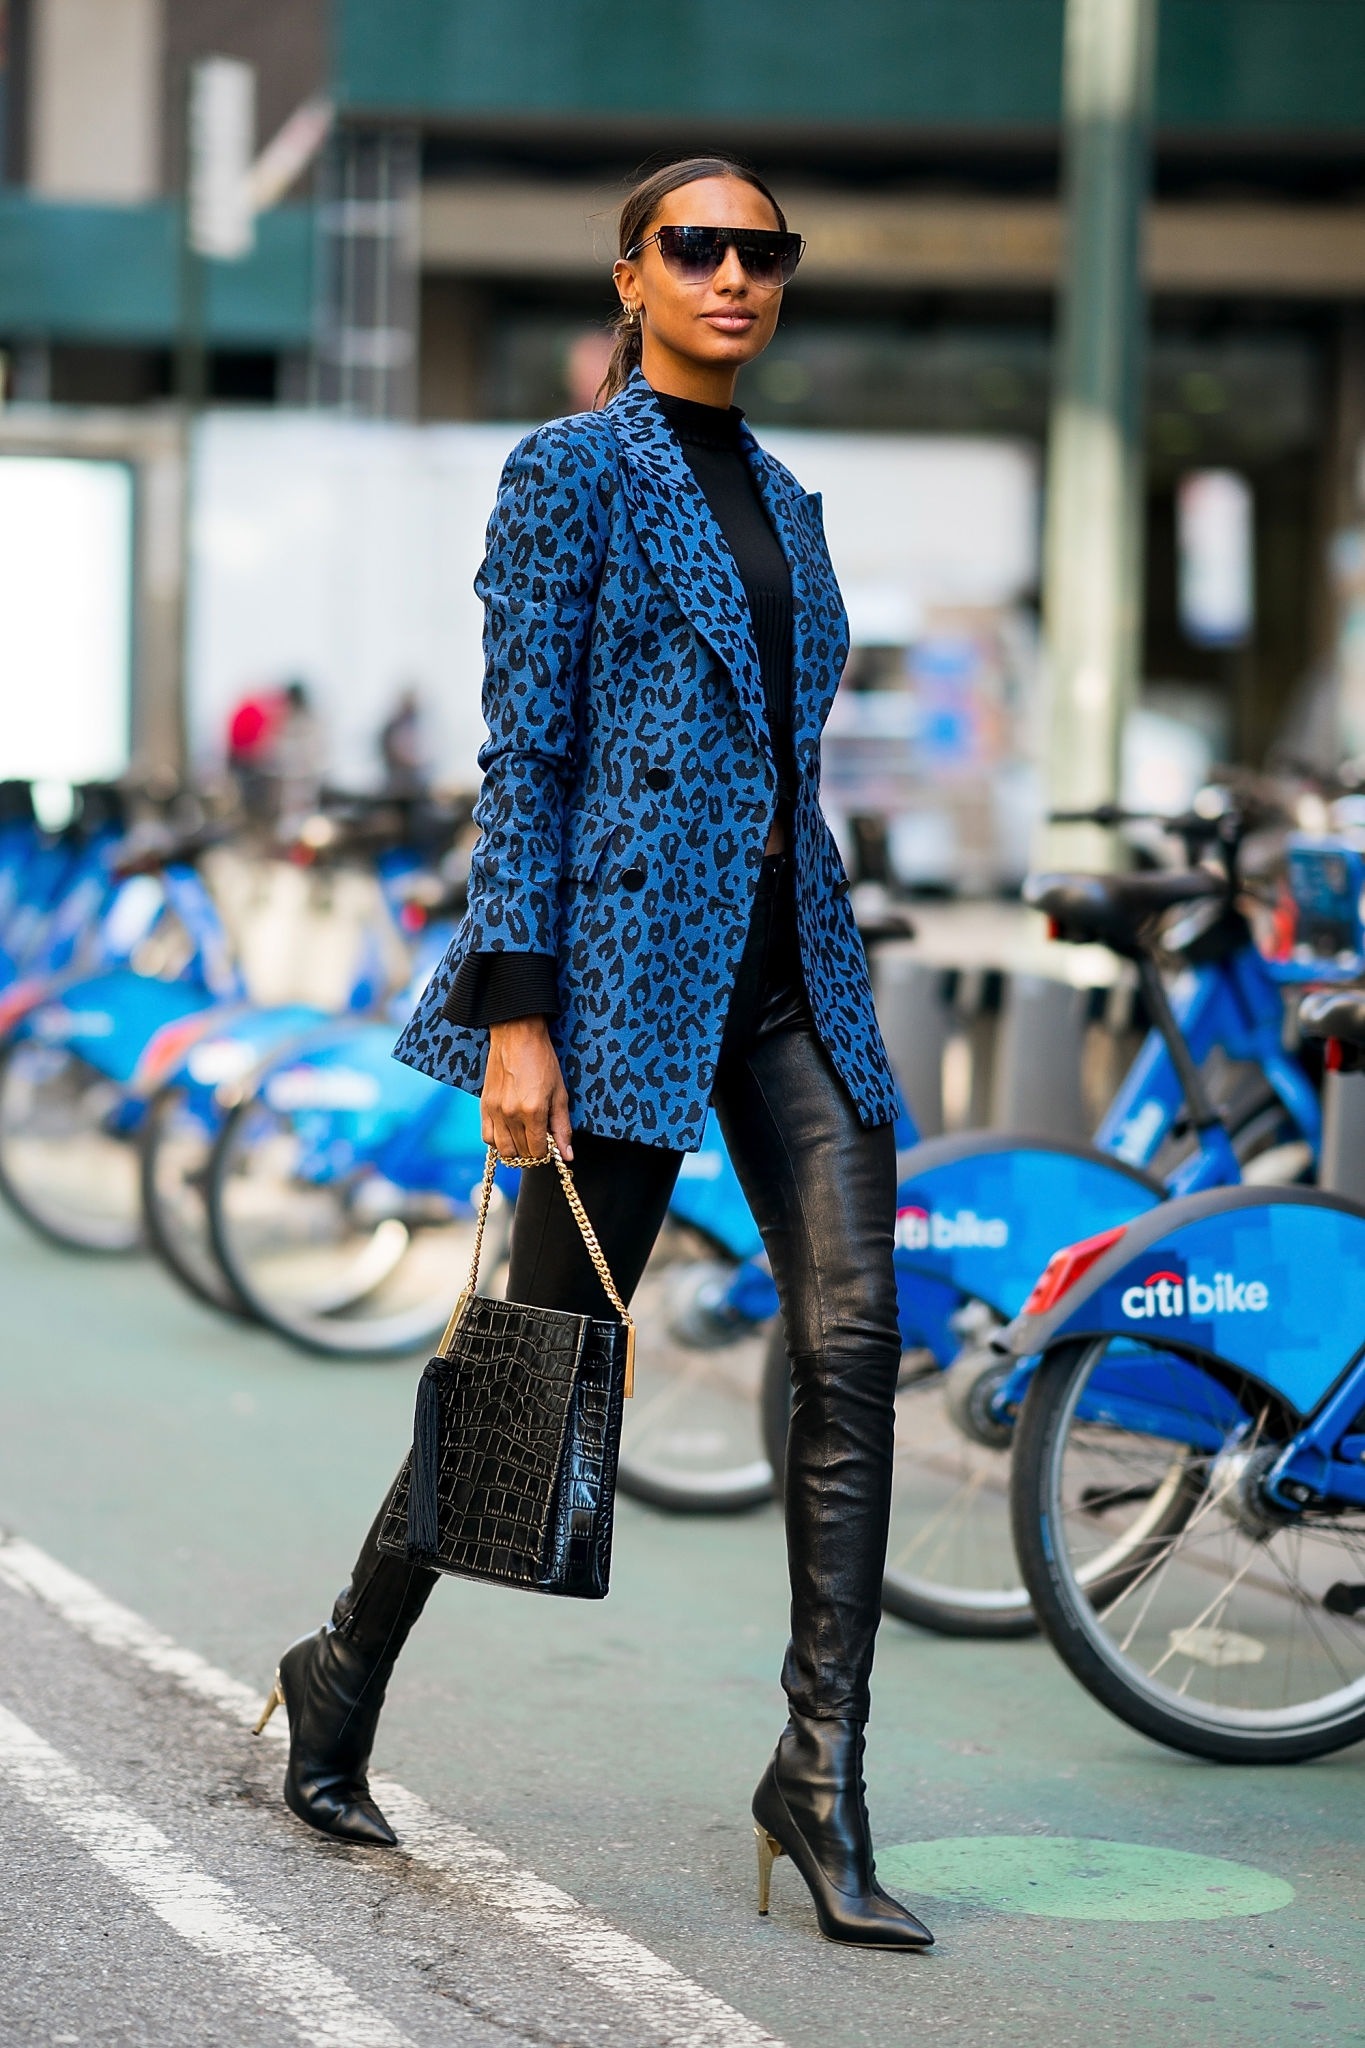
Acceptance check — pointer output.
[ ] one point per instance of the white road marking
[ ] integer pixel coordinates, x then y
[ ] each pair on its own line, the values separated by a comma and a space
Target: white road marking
682, 2013
321, 2007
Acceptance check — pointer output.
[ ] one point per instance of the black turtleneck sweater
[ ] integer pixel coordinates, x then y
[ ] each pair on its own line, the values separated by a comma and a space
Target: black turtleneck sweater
709, 436
491, 988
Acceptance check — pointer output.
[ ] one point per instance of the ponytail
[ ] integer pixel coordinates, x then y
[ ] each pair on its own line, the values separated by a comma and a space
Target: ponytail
637, 213
625, 357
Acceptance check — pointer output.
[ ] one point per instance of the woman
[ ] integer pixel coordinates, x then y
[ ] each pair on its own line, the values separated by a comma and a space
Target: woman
658, 920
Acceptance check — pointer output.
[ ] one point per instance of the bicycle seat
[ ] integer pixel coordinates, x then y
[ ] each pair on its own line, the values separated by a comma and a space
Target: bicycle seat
1334, 1013
1116, 910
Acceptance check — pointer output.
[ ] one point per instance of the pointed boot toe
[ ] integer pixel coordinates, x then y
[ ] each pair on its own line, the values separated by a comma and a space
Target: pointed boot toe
340, 1811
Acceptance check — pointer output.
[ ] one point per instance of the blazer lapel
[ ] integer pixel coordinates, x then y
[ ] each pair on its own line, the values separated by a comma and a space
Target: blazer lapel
819, 621
684, 545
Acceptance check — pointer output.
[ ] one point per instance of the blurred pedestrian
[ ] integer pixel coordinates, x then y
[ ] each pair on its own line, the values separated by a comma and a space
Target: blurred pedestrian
295, 759
252, 725
658, 920
403, 748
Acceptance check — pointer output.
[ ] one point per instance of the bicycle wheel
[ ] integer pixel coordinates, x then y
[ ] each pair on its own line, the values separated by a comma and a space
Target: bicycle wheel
68, 1165
691, 1440
1225, 1626
176, 1153
339, 1262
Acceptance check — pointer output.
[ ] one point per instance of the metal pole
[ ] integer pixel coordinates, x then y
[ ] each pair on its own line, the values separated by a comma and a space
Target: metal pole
1093, 543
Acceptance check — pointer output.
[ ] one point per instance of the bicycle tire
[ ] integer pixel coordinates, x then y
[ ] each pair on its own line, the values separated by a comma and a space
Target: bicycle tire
669, 1484
202, 1275
404, 1336
118, 1240
1073, 1622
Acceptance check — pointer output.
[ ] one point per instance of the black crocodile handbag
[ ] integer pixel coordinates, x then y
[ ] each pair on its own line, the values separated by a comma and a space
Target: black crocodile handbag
512, 1472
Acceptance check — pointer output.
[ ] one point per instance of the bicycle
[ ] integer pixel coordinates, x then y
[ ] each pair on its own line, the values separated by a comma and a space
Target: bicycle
1188, 1493
978, 1213
69, 1108
191, 1078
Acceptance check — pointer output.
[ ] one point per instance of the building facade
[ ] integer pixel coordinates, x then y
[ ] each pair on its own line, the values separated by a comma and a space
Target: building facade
448, 257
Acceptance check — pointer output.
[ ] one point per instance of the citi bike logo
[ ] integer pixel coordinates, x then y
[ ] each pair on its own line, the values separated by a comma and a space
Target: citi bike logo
923, 1230
1171, 1294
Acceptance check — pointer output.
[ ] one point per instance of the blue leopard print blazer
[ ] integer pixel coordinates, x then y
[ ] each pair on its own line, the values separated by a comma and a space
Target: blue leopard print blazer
628, 780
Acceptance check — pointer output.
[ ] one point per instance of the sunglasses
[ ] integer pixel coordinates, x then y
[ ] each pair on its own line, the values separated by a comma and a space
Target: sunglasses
694, 255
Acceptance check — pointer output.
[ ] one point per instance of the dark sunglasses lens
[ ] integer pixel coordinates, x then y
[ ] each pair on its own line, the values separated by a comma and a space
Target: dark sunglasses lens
693, 254
769, 259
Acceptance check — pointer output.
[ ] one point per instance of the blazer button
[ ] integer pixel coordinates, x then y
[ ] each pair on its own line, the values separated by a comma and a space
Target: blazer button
633, 877
658, 778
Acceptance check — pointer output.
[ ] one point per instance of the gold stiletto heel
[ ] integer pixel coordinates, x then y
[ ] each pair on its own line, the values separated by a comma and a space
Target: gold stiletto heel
769, 1849
276, 1699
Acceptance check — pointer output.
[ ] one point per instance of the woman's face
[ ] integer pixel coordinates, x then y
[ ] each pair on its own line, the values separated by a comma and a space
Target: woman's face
712, 328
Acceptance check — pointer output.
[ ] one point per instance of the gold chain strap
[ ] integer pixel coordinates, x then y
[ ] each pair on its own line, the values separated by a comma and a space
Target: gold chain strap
586, 1232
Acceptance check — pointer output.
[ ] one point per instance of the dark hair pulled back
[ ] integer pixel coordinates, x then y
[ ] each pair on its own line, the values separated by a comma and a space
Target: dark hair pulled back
638, 209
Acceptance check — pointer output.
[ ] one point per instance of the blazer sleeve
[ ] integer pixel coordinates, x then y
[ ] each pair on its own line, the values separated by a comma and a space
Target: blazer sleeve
545, 550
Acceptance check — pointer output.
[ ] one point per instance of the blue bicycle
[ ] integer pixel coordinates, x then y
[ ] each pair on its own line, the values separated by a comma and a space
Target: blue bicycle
69, 1110
1189, 1470
153, 972
191, 1076
979, 1214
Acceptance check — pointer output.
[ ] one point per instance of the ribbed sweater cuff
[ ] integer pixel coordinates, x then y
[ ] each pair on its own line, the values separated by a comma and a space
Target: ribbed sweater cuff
492, 988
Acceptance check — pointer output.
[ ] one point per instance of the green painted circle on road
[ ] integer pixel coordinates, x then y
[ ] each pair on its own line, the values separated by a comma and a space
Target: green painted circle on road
1067, 1877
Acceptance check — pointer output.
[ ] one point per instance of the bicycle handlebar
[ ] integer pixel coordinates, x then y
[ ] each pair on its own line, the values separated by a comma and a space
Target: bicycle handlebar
181, 852
1244, 810
1105, 815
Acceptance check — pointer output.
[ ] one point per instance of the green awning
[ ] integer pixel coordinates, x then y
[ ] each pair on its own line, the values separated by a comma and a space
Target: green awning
112, 274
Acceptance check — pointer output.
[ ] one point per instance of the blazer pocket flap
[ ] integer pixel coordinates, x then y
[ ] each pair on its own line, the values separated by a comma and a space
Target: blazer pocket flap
589, 836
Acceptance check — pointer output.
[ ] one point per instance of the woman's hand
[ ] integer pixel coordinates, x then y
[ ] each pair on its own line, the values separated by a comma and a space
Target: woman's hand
523, 1092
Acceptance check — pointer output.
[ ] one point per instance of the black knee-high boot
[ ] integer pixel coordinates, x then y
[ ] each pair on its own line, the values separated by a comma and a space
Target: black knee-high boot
332, 1686
810, 1803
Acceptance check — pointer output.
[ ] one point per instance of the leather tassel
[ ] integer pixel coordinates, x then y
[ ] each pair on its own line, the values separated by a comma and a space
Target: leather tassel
424, 1473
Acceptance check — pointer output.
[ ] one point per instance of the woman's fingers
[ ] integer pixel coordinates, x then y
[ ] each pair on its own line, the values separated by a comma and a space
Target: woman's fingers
533, 1124
560, 1126
517, 1133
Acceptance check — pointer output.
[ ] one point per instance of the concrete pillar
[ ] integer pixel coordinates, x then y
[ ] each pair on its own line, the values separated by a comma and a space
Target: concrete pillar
916, 1023
1342, 1170
975, 995
1038, 1058
1093, 555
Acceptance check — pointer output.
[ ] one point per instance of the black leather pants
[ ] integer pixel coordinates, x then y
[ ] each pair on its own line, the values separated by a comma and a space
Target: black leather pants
822, 1190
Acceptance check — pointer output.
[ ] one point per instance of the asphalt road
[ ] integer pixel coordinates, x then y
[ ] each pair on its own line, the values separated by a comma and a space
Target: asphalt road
571, 1783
